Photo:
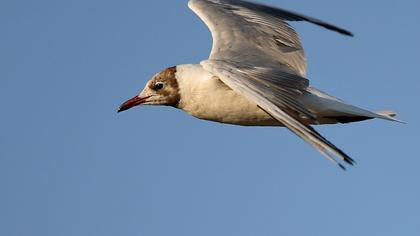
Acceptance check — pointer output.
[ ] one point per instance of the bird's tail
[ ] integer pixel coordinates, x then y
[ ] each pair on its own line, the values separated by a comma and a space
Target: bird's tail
388, 115
343, 112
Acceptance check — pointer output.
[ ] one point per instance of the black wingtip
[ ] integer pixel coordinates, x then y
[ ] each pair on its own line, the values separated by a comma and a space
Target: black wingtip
350, 161
339, 30
347, 33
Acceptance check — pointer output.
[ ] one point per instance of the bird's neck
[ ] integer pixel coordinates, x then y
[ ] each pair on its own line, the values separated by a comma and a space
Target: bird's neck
194, 82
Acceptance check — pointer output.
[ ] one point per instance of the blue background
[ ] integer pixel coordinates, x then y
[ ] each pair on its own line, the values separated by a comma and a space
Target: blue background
70, 165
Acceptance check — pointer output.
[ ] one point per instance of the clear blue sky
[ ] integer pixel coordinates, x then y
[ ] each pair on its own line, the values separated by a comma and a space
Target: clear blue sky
70, 165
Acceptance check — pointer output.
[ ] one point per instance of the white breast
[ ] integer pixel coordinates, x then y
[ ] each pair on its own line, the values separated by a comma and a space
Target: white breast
204, 96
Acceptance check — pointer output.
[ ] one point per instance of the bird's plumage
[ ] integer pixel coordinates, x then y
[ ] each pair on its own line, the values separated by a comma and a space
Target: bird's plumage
255, 75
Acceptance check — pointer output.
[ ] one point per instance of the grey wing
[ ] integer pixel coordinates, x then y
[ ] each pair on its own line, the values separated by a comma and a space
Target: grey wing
273, 98
257, 54
255, 34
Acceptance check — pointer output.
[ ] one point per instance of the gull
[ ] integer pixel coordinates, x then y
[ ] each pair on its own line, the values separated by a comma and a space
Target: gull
255, 76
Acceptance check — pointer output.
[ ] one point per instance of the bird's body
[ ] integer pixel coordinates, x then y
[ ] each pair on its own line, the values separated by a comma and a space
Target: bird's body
255, 76
204, 96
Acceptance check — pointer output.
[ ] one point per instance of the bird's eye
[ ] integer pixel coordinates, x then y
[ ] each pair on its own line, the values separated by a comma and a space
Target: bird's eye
159, 86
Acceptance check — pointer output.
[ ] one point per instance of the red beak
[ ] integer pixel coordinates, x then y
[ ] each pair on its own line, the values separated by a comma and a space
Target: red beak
135, 101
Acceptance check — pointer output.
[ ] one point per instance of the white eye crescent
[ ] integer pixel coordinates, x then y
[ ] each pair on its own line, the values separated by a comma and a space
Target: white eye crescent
159, 85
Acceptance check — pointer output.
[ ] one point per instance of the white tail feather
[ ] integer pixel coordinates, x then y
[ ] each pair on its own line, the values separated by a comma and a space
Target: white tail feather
389, 115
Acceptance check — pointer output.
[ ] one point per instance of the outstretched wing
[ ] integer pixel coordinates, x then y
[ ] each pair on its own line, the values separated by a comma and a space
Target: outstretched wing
255, 34
257, 54
269, 100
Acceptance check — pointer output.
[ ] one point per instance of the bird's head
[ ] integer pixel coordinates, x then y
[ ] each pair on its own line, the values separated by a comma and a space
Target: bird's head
162, 89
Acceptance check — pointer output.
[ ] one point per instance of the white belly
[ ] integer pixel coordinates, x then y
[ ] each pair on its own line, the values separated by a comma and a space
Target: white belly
231, 108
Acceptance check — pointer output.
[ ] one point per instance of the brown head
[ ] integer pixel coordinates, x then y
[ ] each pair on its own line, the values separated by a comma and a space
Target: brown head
162, 89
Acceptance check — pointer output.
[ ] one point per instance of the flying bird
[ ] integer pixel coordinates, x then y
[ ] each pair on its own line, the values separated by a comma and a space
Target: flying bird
255, 76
